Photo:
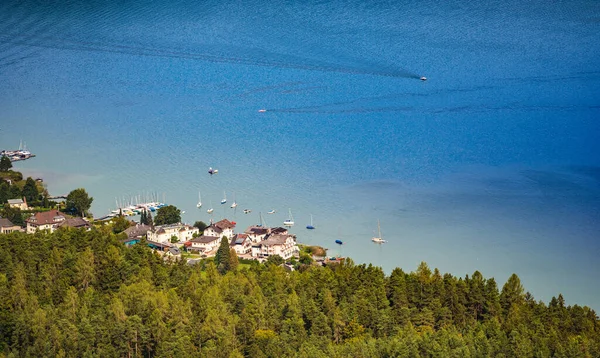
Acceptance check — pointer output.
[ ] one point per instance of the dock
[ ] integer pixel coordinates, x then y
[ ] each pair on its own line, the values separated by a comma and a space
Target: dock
16, 155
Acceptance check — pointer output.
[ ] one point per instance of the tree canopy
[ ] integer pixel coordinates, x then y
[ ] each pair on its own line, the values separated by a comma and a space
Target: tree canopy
5, 164
30, 191
78, 202
82, 293
167, 215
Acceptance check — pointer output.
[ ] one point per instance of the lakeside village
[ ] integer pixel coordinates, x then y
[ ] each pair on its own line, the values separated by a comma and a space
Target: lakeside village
33, 210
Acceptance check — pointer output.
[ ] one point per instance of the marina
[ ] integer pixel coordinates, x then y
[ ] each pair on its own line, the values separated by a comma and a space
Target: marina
16, 155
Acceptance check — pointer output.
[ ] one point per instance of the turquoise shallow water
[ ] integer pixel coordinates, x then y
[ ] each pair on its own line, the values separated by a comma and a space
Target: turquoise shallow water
491, 164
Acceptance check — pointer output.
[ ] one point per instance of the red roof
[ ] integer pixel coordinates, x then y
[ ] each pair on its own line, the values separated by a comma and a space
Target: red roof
47, 217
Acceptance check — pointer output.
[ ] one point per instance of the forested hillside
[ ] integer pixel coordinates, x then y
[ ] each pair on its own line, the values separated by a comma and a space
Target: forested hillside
83, 294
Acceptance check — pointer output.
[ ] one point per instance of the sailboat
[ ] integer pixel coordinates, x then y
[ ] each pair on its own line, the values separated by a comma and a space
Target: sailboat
310, 227
378, 239
234, 204
211, 209
262, 221
224, 198
290, 220
199, 205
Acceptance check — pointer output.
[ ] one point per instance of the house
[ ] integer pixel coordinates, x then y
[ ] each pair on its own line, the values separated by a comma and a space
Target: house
7, 227
173, 253
135, 234
257, 233
279, 231
77, 223
204, 244
220, 229
241, 243
18, 203
164, 233
47, 220
282, 245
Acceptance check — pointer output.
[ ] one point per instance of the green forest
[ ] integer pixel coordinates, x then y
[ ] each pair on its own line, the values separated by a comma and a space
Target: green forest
79, 293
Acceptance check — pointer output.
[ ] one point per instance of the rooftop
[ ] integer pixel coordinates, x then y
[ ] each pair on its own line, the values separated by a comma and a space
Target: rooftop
204, 239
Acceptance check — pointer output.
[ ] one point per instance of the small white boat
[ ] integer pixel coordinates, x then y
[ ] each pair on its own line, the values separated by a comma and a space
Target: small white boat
224, 198
271, 211
423, 78
211, 209
262, 110
212, 171
290, 220
378, 239
199, 205
234, 204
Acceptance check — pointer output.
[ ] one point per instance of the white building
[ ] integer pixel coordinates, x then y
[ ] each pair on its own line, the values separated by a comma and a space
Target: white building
47, 220
257, 233
241, 243
18, 203
204, 244
163, 233
278, 244
220, 229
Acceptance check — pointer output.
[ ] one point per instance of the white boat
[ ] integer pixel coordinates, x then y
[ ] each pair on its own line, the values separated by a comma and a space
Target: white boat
378, 239
311, 226
290, 220
262, 110
423, 78
271, 211
211, 209
224, 198
199, 205
234, 204
212, 171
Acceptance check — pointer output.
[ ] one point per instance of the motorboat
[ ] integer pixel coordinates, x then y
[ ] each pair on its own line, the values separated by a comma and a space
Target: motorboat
262, 110
423, 78
247, 211
271, 211
339, 242
212, 171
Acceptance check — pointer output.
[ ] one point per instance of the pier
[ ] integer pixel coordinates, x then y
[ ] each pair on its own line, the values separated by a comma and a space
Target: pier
20, 154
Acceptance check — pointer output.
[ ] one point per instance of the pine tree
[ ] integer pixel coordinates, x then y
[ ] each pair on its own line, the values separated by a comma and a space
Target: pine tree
5, 164
233, 260
222, 258
30, 191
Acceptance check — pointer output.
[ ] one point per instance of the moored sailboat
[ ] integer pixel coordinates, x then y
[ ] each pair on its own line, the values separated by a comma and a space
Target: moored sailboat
311, 226
199, 205
290, 220
378, 239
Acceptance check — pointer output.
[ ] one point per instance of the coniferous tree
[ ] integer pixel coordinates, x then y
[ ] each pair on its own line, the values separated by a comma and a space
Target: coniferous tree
4, 191
233, 260
5, 164
30, 191
222, 258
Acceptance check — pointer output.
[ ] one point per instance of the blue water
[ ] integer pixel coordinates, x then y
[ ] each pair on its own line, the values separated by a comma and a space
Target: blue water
492, 164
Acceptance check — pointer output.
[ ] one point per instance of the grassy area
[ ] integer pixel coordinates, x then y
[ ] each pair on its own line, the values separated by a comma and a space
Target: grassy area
313, 250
